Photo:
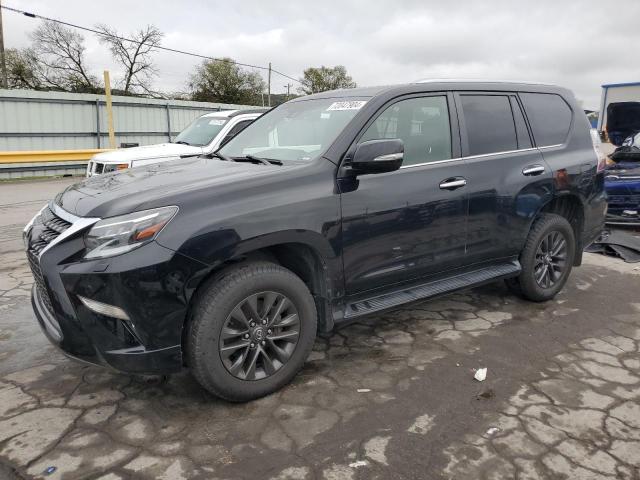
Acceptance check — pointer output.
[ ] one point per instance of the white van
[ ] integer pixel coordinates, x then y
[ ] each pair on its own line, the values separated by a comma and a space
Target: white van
203, 136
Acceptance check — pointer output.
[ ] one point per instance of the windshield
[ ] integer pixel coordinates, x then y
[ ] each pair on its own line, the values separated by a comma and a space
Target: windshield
297, 131
201, 131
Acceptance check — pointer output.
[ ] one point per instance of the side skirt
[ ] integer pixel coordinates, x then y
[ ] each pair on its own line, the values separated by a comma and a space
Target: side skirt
434, 288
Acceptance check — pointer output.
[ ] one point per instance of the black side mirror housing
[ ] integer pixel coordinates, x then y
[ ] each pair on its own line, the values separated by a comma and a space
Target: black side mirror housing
377, 156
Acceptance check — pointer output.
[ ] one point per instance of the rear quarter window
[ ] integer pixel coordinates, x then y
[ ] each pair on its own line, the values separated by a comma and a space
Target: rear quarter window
549, 116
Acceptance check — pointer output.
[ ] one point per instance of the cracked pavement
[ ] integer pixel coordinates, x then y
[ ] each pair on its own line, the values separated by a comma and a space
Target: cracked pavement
392, 396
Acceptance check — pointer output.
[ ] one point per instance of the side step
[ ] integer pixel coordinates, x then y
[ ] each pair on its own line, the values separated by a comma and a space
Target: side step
431, 289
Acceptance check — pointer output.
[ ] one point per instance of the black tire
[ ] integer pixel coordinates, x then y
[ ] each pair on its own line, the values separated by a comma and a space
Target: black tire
547, 228
230, 292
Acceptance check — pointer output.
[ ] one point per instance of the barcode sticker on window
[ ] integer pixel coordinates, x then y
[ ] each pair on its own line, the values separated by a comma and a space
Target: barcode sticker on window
352, 105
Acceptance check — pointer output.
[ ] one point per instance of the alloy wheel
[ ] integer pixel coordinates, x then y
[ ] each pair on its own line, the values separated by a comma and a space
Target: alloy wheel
259, 335
551, 259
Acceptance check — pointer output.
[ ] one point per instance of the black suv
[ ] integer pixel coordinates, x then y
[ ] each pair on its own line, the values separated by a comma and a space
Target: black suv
327, 208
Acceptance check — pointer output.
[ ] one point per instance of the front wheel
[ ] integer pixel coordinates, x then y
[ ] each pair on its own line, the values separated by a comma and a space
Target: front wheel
546, 260
251, 330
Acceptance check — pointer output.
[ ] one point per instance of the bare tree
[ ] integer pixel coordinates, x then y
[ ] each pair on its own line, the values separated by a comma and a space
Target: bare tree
60, 54
134, 56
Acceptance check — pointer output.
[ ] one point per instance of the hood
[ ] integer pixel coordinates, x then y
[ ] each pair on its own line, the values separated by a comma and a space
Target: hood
160, 184
623, 177
125, 155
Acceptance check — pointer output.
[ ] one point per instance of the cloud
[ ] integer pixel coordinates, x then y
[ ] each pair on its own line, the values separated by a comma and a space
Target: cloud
578, 44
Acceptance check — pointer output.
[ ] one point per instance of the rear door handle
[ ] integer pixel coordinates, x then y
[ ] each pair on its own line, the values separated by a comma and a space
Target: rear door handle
532, 170
453, 183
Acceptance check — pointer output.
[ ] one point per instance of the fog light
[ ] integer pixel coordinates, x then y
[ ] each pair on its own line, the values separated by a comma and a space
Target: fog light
104, 308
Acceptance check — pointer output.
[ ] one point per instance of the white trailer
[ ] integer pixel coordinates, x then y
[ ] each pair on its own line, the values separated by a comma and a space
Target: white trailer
623, 99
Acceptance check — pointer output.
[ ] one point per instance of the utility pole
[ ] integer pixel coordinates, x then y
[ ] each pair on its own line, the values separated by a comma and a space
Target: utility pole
269, 85
288, 85
3, 61
107, 92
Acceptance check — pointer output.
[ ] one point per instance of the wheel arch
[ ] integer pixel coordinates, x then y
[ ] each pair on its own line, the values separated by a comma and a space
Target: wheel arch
303, 253
571, 207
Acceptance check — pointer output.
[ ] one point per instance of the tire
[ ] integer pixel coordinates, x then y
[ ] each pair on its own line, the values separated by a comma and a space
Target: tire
533, 283
226, 307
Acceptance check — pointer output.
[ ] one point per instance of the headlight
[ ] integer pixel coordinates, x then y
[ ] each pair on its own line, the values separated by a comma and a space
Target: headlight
116, 235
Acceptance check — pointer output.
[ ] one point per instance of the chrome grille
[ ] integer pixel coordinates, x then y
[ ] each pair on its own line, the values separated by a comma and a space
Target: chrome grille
632, 199
53, 227
39, 280
47, 227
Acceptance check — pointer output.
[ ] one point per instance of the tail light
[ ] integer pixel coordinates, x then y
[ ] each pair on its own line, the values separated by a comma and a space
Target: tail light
602, 158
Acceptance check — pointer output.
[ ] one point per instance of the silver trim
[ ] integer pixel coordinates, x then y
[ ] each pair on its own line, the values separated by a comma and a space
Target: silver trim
432, 163
77, 224
453, 184
533, 169
481, 80
506, 152
389, 156
26, 228
551, 146
104, 308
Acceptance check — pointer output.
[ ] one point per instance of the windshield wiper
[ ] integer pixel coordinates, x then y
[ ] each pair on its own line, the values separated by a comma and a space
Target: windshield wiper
253, 158
221, 157
181, 142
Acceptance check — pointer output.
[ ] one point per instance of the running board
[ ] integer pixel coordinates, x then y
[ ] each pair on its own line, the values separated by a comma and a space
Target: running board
431, 289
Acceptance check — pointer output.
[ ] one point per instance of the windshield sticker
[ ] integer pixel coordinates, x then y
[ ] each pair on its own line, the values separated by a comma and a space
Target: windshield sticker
325, 115
352, 105
216, 121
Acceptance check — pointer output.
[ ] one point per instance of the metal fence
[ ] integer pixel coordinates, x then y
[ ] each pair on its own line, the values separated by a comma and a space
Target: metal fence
31, 120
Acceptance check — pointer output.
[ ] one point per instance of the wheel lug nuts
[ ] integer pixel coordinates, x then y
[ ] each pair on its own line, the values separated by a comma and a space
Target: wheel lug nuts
264, 322
252, 324
269, 332
246, 335
252, 345
263, 343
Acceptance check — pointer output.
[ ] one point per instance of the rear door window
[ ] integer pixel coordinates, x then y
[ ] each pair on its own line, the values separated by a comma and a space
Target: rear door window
489, 124
549, 116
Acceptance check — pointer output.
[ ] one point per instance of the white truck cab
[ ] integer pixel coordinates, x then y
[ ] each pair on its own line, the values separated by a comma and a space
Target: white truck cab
203, 136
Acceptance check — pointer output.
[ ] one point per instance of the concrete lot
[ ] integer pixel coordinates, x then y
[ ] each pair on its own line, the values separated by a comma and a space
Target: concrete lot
392, 396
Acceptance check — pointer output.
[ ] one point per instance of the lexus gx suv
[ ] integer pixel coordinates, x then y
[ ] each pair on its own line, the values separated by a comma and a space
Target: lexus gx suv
327, 208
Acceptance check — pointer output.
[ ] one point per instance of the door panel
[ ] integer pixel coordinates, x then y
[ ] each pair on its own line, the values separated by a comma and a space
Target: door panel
502, 201
402, 225
508, 180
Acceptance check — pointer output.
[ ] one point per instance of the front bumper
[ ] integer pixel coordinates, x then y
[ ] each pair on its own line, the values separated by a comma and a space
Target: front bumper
624, 209
151, 283
630, 220
163, 361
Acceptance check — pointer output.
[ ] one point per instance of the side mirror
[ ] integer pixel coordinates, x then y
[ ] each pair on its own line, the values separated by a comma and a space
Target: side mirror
377, 156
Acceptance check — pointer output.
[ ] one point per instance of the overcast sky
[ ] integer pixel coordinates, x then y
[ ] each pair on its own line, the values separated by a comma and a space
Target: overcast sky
578, 44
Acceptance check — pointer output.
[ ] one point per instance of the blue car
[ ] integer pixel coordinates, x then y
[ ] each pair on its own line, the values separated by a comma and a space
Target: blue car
622, 183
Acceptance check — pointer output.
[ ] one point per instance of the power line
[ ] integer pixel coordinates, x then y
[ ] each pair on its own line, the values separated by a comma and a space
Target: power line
167, 49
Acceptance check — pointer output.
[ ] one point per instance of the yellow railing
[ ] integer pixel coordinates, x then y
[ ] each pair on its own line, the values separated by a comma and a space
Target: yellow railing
49, 155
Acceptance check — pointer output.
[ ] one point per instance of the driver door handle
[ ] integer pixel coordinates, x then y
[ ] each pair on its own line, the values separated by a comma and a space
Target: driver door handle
533, 170
453, 183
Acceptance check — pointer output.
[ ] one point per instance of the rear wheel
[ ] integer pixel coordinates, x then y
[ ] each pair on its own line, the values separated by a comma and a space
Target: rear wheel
251, 331
546, 259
